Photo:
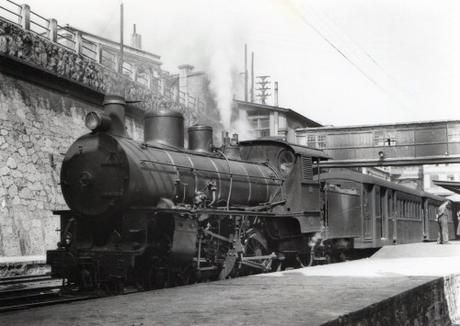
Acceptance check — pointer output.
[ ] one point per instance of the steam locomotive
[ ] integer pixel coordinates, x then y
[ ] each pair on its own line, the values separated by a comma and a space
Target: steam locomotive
153, 214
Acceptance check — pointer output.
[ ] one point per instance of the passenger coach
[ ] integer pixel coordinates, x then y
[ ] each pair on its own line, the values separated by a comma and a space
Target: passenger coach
362, 211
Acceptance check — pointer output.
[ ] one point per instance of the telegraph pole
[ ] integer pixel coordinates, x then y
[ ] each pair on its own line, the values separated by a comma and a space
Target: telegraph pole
252, 77
245, 72
263, 88
120, 63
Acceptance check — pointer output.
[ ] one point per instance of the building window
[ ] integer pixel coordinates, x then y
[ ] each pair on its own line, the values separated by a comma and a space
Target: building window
311, 141
260, 124
321, 141
381, 139
317, 141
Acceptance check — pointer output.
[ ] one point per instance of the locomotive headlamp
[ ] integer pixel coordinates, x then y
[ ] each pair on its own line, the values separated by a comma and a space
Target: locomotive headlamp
95, 121
92, 120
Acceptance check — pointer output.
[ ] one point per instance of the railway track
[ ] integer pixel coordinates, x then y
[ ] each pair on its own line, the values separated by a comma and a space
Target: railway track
23, 292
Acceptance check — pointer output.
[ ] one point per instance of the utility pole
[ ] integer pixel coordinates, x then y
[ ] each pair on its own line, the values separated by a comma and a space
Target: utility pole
252, 77
245, 72
263, 88
120, 63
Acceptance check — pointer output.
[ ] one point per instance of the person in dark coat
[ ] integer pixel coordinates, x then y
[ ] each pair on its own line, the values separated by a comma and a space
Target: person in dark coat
458, 224
442, 217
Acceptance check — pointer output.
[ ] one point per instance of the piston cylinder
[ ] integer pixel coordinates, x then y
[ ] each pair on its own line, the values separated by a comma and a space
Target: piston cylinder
164, 128
200, 138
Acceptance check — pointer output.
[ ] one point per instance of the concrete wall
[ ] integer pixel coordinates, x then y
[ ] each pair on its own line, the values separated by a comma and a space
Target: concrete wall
36, 127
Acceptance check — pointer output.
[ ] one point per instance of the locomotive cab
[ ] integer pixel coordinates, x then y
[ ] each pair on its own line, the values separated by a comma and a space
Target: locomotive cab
294, 163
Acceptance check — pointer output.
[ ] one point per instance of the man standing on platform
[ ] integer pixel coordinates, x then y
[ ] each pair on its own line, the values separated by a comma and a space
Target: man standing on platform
442, 217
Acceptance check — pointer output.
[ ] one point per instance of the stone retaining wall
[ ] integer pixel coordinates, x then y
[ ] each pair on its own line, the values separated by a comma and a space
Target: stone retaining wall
436, 303
38, 123
36, 128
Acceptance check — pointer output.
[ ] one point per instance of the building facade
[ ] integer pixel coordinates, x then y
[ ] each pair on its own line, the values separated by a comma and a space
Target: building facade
402, 150
271, 121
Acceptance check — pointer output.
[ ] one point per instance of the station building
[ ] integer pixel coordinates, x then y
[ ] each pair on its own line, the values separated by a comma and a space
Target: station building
272, 121
420, 152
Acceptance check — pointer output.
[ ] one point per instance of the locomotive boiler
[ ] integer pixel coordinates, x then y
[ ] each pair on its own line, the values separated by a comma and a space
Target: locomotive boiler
153, 214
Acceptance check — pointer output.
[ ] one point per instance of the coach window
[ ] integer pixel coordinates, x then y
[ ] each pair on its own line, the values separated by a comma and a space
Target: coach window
390, 204
378, 208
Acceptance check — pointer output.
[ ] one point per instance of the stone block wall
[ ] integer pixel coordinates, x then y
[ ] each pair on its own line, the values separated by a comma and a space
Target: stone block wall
38, 123
435, 303
36, 128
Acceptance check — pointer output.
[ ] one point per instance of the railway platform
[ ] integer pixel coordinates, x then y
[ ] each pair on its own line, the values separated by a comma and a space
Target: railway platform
22, 265
416, 284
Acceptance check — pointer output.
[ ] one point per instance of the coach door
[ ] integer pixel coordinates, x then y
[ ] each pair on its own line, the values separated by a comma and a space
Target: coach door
368, 210
425, 219
385, 210
378, 193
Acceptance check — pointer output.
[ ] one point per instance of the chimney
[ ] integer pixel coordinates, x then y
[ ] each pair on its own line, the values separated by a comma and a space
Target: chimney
184, 72
114, 108
276, 95
136, 39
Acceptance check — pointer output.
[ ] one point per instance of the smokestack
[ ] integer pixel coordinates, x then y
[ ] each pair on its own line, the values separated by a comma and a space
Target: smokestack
120, 63
276, 94
245, 72
114, 107
252, 77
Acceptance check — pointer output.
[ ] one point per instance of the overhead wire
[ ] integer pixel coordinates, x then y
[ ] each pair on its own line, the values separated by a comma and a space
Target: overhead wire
346, 57
354, 43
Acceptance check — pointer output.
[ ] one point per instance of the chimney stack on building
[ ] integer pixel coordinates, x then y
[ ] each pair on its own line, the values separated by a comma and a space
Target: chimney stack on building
184, 71
136, 39
275, 100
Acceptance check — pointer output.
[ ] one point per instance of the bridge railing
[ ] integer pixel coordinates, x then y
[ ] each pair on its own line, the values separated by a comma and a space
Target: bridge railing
74, 40
11, 11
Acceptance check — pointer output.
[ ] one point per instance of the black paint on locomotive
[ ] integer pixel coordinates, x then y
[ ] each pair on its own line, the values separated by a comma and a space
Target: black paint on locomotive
154, 214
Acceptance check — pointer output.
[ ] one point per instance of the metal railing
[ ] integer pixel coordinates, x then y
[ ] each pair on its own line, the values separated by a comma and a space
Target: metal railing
74, 40
11, 11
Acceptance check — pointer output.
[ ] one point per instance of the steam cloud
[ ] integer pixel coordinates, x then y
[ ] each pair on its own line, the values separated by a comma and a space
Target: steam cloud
225, 51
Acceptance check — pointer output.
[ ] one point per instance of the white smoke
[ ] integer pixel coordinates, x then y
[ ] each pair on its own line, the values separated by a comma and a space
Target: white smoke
224, 48
220, 74
242, 127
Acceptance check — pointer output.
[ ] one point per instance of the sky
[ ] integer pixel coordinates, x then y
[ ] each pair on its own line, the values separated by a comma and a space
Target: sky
338, 62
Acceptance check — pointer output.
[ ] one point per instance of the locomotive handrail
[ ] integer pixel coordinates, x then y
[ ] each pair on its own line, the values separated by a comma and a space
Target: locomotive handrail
211, 171
232, 211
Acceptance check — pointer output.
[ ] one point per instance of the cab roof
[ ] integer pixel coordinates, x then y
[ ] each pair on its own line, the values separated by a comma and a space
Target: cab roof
298, 149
